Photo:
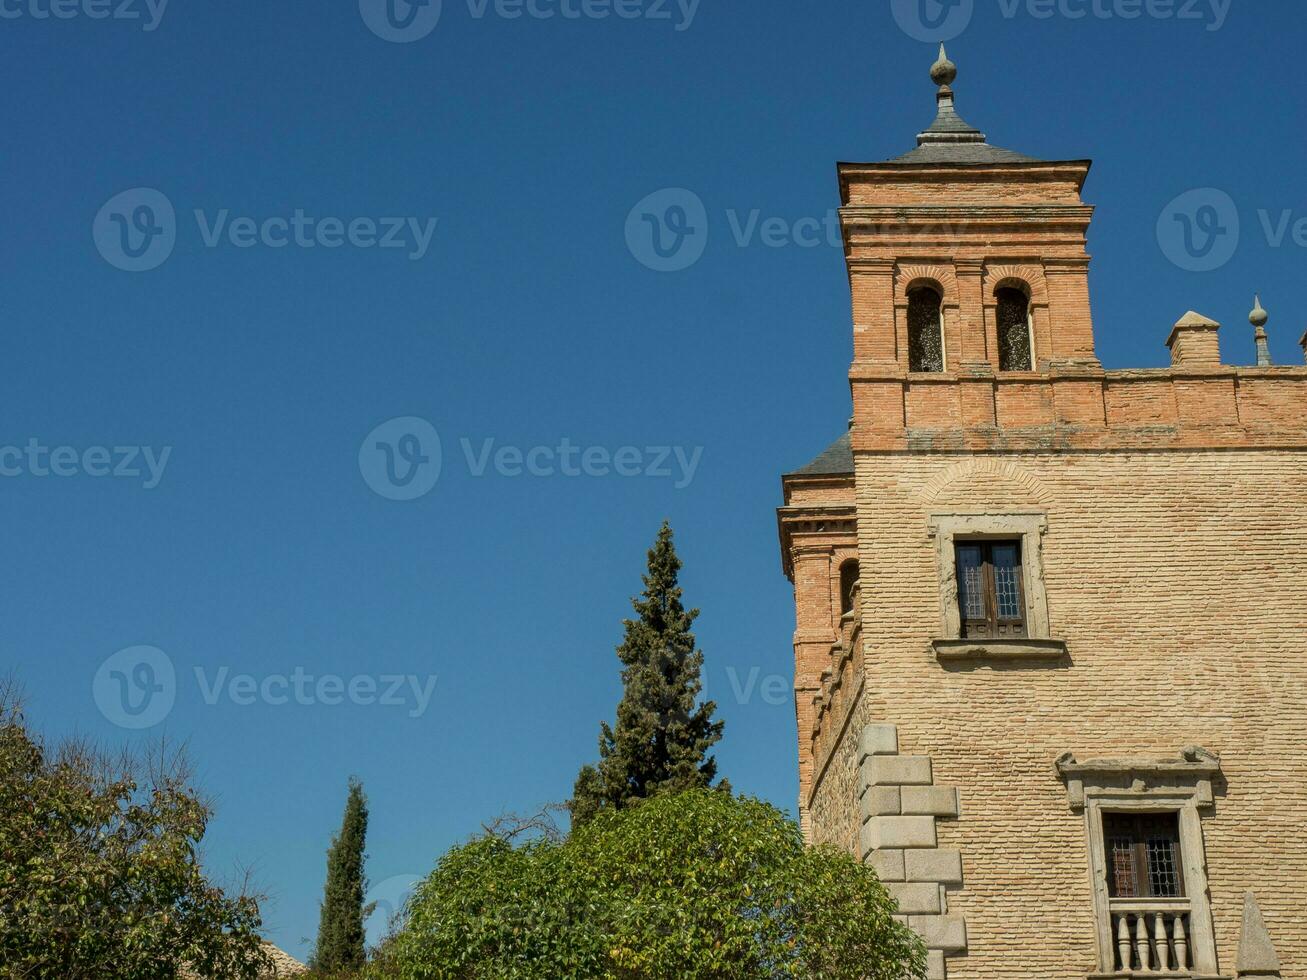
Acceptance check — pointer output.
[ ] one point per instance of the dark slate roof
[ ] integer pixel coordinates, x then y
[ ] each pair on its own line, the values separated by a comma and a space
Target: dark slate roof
950, 139
835, 461
962, 153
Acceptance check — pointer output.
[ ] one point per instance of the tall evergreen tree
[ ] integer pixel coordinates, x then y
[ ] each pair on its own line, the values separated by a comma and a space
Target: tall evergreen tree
340, 943
662, 736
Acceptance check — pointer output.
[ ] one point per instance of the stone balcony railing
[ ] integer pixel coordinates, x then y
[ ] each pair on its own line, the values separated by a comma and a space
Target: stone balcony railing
1152, 937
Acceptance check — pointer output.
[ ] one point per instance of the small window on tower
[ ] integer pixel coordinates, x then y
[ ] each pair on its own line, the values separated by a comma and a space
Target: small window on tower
1015, 345
925, 330
991, 589
848, 585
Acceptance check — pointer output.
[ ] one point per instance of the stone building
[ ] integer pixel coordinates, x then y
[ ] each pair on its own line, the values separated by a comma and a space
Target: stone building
1051, 645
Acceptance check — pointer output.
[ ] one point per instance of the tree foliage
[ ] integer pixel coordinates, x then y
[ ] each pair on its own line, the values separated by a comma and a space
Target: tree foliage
662, 736
100, 874
341, 939
700, 885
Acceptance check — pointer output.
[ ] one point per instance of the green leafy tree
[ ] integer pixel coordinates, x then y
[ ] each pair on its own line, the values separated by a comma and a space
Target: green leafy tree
661, 740
341, 938
700, 884
99, 868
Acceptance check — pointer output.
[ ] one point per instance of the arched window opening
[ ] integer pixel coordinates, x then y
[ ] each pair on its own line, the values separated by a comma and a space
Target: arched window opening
1015, 344
925, 330
848, 585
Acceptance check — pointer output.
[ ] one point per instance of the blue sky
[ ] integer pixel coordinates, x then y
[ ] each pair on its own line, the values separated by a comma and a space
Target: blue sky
260, 546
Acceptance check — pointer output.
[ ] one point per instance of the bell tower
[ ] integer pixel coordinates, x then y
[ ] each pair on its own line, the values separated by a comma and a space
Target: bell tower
970, 278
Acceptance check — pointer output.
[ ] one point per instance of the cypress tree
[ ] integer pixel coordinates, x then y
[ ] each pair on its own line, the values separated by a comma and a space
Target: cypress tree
661, 739
340, 943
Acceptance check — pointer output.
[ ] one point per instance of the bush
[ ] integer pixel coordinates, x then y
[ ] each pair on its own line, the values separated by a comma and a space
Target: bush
701, 885
99, 869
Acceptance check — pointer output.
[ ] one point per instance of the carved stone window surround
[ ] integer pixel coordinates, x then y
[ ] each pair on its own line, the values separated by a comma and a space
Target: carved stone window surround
1183, 787
946, 529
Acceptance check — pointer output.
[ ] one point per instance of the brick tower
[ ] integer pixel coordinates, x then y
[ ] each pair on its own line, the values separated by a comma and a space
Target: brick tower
1051, 643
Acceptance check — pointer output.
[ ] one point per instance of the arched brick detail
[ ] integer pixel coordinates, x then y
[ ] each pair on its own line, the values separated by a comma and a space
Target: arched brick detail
986, 470
1031, 277
943, 276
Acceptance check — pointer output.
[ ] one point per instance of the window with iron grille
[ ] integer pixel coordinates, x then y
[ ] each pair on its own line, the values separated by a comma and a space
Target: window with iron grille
1143, 853
1014, 343
925, 330
991, 589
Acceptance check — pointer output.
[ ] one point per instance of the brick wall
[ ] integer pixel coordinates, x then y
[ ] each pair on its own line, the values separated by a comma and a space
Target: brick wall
1179, 582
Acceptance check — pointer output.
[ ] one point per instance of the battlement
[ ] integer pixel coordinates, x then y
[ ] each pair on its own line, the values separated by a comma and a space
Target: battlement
1186, 406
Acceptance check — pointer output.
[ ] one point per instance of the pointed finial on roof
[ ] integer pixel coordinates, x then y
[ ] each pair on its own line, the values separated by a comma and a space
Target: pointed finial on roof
1259, 318
943, 72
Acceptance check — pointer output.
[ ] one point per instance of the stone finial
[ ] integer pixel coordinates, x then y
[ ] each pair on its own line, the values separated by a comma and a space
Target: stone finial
1303, 342
1194, 340
943, 72
1259, 318
1257, 956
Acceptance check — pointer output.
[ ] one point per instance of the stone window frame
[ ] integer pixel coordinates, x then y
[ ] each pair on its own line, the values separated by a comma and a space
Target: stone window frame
1181, 787
1030, 528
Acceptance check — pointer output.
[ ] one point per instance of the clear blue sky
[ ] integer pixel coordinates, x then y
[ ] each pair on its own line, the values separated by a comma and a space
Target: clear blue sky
263, 549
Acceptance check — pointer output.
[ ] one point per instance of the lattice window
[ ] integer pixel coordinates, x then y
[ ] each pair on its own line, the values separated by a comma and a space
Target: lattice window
1122, 869
1145, 855
925, 330
971, 581
991, 594
1014, 341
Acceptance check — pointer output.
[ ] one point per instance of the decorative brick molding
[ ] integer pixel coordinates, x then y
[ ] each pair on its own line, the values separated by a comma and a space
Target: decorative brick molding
991, 469
900, 804
1030, 276
943, 276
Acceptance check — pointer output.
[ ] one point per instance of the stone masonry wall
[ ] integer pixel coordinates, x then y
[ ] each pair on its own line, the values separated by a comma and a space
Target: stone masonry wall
834, 811
1179, 582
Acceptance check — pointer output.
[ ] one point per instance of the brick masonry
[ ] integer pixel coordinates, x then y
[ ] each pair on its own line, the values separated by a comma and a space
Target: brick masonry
1174, 562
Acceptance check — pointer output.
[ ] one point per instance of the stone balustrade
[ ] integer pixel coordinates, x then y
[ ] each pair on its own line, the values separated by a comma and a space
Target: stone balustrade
1152, 937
